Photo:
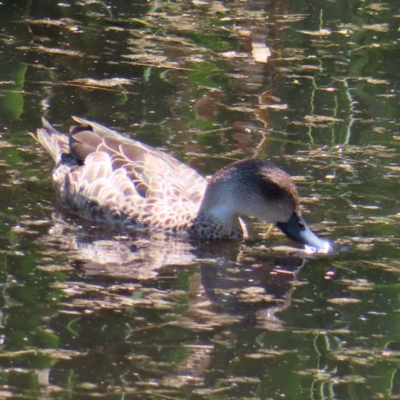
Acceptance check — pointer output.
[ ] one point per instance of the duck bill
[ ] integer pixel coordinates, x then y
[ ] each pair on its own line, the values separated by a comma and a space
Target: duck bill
297, 230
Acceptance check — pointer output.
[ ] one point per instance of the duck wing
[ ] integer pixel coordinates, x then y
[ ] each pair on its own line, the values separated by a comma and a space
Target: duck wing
117, 178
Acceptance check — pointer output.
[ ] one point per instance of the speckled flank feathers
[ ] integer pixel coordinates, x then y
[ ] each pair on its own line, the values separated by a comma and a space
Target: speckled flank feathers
115, 180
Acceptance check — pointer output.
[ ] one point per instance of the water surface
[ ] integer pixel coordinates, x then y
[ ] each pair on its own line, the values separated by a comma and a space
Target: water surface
312, 86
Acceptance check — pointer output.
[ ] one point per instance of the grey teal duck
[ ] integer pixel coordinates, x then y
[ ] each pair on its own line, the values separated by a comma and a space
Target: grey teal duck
119, 181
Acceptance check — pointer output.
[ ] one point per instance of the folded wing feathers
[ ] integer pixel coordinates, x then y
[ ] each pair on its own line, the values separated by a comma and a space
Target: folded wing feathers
97, 166
127, 175
98, 129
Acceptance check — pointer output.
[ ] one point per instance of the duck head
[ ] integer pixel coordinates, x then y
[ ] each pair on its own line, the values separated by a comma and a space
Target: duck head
260, 189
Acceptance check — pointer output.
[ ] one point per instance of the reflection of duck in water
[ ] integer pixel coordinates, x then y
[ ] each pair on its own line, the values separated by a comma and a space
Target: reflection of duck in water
256, 292
225, 283
140, 255
107, 177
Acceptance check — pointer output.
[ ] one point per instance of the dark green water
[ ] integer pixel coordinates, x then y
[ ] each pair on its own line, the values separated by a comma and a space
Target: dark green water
310, 85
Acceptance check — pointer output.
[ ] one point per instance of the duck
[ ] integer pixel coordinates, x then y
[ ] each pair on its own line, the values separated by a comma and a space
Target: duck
120, 182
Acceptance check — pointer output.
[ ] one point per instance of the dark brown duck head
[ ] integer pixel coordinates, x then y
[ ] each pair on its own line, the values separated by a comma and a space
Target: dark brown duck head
259, 189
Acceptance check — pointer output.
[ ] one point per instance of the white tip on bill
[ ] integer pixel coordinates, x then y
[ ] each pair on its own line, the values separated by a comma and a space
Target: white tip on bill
326, 248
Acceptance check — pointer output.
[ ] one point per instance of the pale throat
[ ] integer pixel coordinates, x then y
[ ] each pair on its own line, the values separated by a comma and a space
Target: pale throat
223, 213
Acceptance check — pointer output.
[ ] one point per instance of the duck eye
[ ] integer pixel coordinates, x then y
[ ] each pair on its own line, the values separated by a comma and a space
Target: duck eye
301, 226
273, 191
270, 189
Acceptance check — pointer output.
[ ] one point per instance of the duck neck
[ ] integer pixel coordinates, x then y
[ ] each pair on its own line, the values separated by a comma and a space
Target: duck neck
218, 222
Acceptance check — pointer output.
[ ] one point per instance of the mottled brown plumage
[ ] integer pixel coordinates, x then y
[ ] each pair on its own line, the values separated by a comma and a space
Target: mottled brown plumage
115, 180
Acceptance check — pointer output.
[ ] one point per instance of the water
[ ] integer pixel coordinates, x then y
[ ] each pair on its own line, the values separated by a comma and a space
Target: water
312, 86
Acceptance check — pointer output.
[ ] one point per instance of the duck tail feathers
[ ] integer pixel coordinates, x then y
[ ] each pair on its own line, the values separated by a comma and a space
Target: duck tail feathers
52, 140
